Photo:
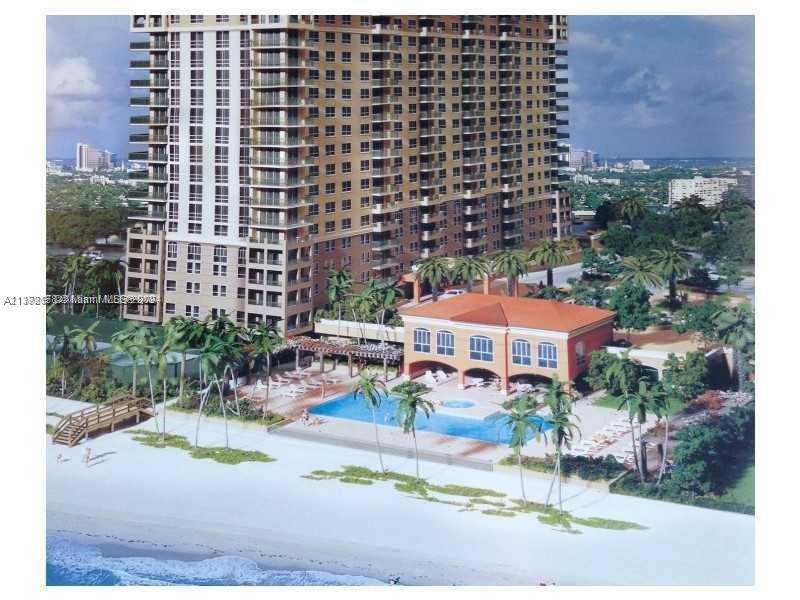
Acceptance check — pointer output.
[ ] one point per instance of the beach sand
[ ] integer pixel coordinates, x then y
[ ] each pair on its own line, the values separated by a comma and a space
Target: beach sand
137, 499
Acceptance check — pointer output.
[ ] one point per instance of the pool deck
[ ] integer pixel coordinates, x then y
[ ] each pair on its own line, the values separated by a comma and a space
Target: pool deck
432, 446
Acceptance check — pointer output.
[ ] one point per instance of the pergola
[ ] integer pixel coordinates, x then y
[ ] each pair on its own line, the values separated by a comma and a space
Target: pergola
389, 355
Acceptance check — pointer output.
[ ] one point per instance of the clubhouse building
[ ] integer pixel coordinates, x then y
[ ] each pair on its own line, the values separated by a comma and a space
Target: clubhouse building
509, 339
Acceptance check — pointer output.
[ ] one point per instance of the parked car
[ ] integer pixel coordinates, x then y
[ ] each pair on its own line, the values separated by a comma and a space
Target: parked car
93, 255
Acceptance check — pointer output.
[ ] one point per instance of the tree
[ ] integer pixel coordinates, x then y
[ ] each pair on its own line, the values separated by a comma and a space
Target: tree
632, 304
594, 294
511, 264
340, 284
130, 342
149, 350
384, 295
520, 416
604, 213
730, 274
183, 334
563, 430
372, 391
618, 376
640, 271
470, 268
631, 208
85, 342
671, 264
618, 240
686, 377
601, 376
643, 400
265, 342
409, 403
699, 318
549, 254
434, 271
599, 264
736, 328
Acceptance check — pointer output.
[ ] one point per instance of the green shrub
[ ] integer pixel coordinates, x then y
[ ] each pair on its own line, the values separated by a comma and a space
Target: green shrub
585, 467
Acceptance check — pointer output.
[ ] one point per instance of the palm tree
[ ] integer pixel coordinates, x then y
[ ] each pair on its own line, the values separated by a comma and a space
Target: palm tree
409, 402
150, 354
104, 273
74, 265
690, 206
631, 208
563, 430
619, 376
182, 333
434, 271
372, 390
511, 264
386, 294
340, 283
130, 341
640, 271
85, 341
521, 413
549, 254
736, 328
265, 342
641, 401
670, 263
212, 356
470, 268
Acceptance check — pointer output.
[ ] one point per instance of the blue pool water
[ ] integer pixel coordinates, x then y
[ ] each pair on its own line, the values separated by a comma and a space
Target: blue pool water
494, 429
458, 404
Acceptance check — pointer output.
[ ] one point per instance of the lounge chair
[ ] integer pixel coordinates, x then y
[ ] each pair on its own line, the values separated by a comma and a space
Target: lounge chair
430, 379
441, 376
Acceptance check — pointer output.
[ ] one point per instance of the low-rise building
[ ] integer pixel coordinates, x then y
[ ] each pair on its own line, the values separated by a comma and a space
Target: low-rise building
509, 338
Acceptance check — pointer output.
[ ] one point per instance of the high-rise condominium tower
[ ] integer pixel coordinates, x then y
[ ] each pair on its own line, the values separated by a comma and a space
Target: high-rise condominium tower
279, 146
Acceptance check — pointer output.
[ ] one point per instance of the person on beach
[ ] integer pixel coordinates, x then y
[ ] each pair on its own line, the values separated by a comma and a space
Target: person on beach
87, 455
60, 458
304, 417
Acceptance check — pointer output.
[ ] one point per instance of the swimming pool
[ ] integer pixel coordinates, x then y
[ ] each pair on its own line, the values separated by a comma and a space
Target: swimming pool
494, 429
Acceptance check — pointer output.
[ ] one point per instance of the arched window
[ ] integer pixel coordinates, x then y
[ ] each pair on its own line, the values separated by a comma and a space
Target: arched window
422, 340
521, 352
481, 348
445, 343
548, 355
580, 353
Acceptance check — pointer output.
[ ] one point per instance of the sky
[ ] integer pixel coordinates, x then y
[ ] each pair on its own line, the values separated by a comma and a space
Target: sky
640, 86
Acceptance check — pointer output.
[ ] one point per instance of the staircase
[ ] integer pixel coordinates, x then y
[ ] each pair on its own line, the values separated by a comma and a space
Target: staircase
77, 425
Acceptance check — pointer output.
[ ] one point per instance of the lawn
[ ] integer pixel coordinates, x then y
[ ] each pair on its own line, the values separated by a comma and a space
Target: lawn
673, 407
104, 331
744, 491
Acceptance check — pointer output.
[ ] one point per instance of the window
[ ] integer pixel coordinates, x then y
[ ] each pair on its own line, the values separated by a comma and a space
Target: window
445, 343
521, 352
422, 340
481, 348
548, 355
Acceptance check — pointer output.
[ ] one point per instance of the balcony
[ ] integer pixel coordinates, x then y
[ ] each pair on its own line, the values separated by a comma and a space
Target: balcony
153, 44
147, 215
158, 63
145, 138
151, 120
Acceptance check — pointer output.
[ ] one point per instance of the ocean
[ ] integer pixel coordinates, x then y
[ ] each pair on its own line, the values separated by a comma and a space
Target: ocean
70, 563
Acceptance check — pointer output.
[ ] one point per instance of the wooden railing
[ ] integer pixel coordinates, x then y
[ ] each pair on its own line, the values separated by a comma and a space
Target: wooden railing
71, 428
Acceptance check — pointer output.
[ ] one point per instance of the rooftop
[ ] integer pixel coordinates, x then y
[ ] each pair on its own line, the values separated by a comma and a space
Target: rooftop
504, 311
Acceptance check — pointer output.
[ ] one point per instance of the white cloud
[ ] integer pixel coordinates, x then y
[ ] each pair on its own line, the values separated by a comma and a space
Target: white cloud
594, 43
74, 97
640, 115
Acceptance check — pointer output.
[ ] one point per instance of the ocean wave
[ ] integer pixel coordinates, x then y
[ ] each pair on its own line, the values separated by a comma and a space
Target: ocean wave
72, 563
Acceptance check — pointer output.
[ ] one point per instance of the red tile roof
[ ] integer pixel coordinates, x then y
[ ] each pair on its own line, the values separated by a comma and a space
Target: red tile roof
503, 311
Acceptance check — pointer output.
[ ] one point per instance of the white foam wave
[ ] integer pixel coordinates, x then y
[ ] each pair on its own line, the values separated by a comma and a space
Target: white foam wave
224, 570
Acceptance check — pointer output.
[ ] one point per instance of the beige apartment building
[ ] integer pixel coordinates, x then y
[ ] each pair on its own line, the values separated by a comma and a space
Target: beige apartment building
279, 146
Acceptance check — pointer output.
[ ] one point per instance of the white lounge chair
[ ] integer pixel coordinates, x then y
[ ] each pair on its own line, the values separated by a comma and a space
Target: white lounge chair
441, 376
430, 379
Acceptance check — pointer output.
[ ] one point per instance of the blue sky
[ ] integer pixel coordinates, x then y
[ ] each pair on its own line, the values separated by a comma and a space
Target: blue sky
639, 86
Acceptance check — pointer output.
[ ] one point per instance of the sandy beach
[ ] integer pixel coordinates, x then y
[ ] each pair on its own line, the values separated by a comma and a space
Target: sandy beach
138, 499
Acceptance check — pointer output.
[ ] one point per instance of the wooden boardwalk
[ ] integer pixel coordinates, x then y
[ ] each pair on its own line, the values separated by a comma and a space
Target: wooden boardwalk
79, 424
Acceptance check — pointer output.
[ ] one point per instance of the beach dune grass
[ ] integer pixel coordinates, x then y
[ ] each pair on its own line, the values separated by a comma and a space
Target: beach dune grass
227, 456
468, 499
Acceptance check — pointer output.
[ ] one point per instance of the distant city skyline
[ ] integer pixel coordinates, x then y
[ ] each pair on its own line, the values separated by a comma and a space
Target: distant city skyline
640, 86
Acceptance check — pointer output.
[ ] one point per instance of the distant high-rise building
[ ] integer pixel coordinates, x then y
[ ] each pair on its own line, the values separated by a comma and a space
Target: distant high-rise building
581, 159
746, 182
279, 146
91, 159
708, 189
638, 165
